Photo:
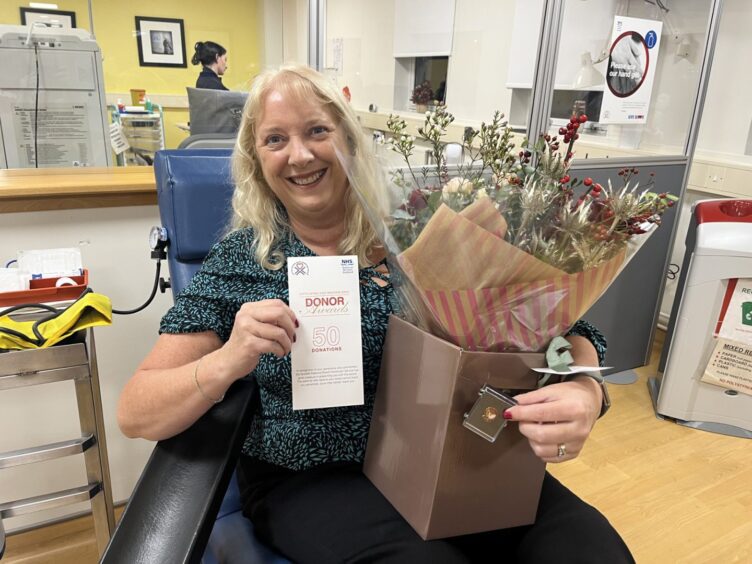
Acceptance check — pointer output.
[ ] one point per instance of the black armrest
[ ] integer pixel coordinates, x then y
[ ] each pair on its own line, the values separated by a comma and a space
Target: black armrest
173, 507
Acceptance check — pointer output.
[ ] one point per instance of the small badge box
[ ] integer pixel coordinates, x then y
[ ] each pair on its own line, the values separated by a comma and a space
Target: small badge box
486, 417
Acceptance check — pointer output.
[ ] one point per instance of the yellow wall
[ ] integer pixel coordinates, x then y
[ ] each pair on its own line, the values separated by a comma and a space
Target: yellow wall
10, 12
234, 24
231, 23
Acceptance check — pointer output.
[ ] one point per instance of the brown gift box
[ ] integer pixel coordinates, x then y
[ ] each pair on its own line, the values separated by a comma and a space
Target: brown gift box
444, 479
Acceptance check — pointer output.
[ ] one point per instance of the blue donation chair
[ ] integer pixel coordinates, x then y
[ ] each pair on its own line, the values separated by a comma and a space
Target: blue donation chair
186, 505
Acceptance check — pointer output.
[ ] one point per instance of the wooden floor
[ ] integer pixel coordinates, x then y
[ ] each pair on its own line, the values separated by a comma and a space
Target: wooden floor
67, 542
677, 495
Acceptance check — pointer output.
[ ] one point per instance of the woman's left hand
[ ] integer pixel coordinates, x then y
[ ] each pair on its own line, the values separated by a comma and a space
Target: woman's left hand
557, 419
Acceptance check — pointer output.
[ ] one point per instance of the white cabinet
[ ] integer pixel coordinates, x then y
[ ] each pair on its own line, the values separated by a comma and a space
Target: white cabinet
423, 28
586, 27
525, 31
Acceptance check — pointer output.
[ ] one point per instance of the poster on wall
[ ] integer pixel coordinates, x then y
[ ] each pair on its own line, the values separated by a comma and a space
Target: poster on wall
631, 68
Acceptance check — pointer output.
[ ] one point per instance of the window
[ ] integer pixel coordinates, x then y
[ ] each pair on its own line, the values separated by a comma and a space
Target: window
434, 70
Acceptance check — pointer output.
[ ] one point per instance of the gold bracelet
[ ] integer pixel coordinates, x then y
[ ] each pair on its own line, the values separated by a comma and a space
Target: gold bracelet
198, 386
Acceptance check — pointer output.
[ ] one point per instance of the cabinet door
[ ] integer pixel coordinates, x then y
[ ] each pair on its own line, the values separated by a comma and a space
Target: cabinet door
587, 28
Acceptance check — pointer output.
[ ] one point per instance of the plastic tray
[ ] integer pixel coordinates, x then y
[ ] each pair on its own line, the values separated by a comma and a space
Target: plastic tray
43, 290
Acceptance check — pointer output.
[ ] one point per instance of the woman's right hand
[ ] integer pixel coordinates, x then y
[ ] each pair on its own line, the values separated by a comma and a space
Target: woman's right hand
261, 327
174, 385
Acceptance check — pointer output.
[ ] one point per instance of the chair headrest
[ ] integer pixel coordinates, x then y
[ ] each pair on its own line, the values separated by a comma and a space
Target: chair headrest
215, 111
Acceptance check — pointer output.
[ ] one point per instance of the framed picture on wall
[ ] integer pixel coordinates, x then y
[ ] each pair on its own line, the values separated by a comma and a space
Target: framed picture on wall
51, 18
161, 42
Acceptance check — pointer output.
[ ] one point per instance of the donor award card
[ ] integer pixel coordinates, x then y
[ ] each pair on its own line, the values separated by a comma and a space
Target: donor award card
327, 357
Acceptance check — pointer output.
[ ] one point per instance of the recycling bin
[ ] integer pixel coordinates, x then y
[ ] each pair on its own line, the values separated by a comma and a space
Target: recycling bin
707, 376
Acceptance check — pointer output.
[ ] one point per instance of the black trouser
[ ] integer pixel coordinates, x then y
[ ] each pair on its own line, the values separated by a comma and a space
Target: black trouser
332, 513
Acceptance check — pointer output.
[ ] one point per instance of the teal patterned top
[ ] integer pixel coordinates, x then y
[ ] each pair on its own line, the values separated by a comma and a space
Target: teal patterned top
300, 439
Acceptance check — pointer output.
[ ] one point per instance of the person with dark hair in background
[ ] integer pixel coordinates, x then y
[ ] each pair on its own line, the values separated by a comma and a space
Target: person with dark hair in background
214, 59
441, 92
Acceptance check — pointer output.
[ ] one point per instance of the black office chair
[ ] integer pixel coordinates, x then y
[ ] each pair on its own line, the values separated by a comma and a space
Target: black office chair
179, 504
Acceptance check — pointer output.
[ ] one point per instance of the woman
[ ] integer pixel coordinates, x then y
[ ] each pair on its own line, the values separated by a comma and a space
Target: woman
214, 59
300, 472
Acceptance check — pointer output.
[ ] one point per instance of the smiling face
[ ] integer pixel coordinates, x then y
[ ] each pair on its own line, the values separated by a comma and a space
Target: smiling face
295, 142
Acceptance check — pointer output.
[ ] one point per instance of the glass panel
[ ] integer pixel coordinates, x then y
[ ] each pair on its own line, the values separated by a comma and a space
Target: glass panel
255, 35
726, 127
645, 106
722, 164
484, 68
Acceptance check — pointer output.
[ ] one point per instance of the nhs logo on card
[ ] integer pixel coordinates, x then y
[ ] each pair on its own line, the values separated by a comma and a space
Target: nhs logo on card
348, 265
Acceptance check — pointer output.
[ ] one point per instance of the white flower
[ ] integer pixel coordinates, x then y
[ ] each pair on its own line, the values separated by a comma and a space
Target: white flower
458, 185
481, 194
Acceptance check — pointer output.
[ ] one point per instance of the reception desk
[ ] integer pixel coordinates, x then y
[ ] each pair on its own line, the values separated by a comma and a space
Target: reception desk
26, 190
107, 214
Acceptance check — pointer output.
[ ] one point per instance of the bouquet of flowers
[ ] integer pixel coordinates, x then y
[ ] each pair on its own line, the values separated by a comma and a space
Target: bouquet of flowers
507, 250
422, 93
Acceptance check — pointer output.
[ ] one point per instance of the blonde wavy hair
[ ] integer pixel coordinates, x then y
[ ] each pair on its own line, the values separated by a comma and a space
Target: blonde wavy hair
256, 206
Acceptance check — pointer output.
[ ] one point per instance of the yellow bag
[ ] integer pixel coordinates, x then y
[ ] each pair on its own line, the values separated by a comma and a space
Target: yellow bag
89, 310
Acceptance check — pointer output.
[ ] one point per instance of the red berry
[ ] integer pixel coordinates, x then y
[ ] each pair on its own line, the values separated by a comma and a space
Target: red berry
564, 179
588, 181
562, 130
570, 155
583, 118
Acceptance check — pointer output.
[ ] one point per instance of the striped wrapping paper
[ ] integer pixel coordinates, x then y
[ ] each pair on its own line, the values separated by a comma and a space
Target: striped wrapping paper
487, 294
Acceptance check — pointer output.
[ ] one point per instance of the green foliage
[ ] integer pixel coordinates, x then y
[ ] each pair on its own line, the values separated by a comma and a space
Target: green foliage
530, 187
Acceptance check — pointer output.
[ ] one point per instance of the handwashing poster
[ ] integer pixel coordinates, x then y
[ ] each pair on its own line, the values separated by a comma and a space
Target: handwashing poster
631, 69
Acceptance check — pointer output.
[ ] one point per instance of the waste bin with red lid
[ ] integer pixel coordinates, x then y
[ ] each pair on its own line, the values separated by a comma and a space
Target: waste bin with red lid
707, 359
